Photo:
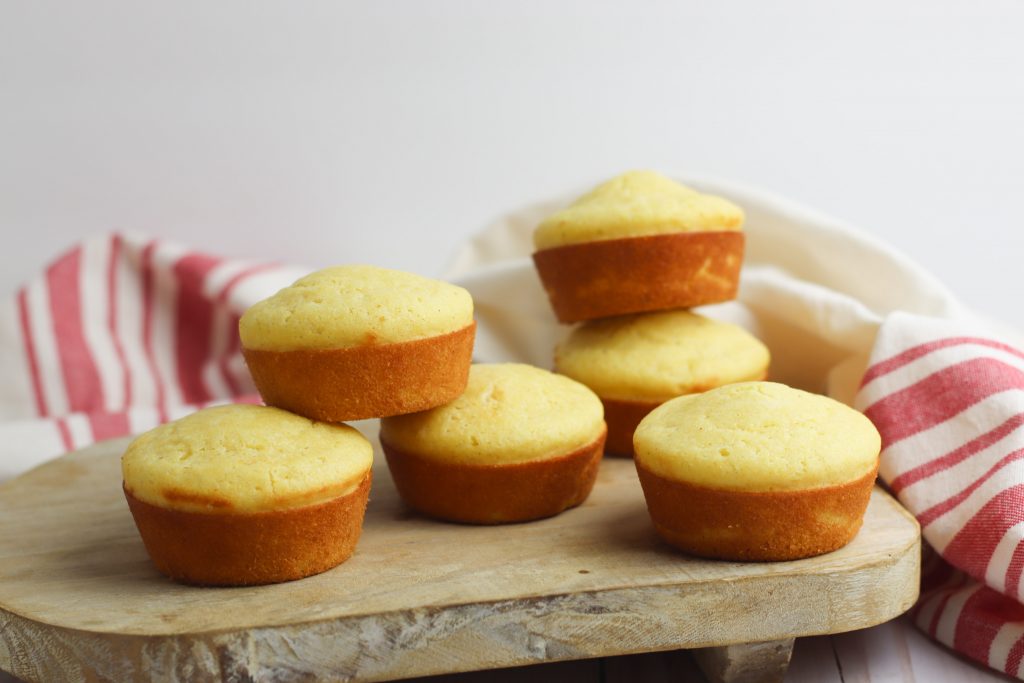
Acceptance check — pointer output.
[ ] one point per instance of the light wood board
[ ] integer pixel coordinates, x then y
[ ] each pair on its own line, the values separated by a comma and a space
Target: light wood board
80, 601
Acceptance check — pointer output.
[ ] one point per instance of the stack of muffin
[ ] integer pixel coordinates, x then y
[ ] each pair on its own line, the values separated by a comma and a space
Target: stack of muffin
259, 494
630, 258
731, 467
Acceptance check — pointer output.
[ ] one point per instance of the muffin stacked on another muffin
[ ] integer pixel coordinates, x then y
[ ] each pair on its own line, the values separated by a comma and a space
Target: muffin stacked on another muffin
241, 495
637, 362
247, 495
639, 242
756, 471
521, 443
626, 259
356, 342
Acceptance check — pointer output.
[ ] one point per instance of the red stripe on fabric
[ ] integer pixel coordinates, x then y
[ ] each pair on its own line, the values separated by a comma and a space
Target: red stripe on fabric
148, 303
193, 325
937, 617
81, 376
1013, 659
109, 425
234, 343
957, 455
115, 337
983, 614
1011, 582
30, 353
65, 434
251, 399
940, 396
913, 353
915, 613
972, 547
939, 509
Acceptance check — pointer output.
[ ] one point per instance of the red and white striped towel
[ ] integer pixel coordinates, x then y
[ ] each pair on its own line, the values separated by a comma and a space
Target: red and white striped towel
950, 407
117, 335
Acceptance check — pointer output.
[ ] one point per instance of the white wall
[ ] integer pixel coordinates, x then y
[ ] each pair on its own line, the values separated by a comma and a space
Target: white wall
386, 132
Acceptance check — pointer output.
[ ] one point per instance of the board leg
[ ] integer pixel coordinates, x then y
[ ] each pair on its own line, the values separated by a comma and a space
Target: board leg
746, 662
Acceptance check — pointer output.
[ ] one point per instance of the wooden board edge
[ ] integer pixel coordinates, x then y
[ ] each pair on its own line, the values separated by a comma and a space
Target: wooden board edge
467, 637
902, 511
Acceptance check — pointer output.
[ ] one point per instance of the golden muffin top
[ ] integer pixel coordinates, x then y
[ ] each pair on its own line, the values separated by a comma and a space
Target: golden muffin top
657, 356
636, 204
244, 458
757, 436
509, 413
347, 306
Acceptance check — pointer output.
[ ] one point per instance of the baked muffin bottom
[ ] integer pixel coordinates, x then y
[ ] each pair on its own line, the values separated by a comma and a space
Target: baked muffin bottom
635, 274
251, 548
755, 525
622, 418
495, 494
361, 382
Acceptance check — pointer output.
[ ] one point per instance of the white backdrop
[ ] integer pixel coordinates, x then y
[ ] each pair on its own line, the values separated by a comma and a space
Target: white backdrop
387, 132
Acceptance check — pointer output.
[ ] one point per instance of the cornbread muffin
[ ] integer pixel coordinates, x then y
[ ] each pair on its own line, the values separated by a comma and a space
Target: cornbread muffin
241, 495
639, 242
634, 363
521, 443
354, 342
756, 471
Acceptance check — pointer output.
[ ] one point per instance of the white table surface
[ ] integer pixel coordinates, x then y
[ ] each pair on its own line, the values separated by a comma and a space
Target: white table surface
324, 132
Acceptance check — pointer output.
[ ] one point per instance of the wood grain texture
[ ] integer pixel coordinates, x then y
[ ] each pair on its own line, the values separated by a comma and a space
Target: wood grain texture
893, 651
79, 599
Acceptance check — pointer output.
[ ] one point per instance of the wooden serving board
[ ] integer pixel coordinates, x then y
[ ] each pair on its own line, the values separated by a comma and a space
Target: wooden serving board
79, 600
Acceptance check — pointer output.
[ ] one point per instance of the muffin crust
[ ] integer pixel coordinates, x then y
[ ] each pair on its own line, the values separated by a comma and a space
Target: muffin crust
636, 204
346, 306
657, 356
244, 458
